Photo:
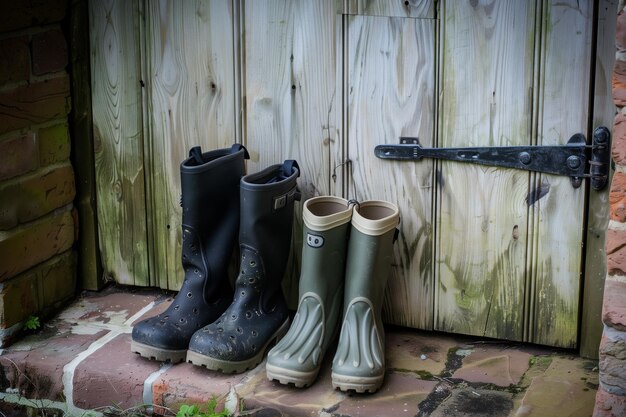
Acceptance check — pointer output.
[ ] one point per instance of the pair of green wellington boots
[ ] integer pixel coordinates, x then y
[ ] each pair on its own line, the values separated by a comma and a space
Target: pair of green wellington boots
207, 323
346, 259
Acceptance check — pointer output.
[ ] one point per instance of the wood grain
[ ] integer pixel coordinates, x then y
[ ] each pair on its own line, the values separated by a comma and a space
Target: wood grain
558, 217
486, 80
289, 87
190, 83
391, 84
393, 8
118, 139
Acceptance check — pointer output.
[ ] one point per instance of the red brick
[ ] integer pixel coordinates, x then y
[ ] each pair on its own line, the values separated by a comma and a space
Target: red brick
36, 195
54, 144
31, 245
620, 31
27, 13
18, 299
14, 60
619, 83
616, 251
609, 405
618, 146
49, 52
18, 156
112, 375
617, 197
614, 305
34, 103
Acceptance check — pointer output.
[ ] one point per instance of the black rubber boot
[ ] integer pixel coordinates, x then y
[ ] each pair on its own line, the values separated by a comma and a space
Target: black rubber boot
258, 314
210, 223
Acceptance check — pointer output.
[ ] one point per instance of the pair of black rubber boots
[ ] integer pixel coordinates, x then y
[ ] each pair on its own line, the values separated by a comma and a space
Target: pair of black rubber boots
207, 324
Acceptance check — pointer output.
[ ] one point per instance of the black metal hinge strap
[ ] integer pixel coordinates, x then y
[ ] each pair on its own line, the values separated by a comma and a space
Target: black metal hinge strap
576, 159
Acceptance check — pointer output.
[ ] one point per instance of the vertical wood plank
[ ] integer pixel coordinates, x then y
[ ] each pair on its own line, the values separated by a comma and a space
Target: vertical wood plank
391, 85
118, 139
562, 110
598, 211
89, 261
393, 8
191, 94
487, 68
289, 87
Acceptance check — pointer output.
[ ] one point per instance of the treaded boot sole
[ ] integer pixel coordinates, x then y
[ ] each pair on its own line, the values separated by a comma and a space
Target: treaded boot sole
289, 376
158, 354
235, 367
359, 384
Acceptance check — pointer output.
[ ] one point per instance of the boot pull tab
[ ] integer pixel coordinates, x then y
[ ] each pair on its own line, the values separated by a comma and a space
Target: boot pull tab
237, 147
196, 154
288, 167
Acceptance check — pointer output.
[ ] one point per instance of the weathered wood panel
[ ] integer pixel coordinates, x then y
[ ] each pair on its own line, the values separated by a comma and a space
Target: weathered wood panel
289, 87
191, 101
485, 90
561, 110
118, 139
598, 211
392, 8
391, 84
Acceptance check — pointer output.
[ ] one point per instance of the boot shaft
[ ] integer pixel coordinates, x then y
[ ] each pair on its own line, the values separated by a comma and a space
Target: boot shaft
266, 219
325, 231
370, 251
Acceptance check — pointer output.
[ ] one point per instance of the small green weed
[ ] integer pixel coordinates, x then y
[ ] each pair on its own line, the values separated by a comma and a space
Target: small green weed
187, 410
32, 323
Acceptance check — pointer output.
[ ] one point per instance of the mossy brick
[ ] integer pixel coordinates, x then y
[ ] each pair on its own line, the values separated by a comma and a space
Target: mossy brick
18, 299
14, 60
35, 242
57, 280
36, 195
37, 290
37, 102
49, 52
18, 155
54, 144
23, 14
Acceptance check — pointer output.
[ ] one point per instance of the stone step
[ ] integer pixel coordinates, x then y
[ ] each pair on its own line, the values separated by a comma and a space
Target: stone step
80, 362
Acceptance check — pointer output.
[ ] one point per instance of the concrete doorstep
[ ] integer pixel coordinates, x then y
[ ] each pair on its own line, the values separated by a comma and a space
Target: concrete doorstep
80, 364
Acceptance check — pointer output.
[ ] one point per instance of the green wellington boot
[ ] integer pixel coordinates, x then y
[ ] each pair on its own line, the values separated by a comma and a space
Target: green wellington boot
258, 313
297, 357
359, 362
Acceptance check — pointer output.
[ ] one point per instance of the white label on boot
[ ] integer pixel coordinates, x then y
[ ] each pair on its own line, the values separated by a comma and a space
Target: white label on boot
314, 241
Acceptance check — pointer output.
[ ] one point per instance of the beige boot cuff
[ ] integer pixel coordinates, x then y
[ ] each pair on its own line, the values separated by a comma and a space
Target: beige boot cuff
326, 212
375, 217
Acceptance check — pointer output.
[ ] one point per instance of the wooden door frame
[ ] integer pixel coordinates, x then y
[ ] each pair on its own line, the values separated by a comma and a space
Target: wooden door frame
602, 112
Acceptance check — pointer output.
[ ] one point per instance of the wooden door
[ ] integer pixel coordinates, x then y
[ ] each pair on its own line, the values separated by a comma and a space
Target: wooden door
505, 246
483, 251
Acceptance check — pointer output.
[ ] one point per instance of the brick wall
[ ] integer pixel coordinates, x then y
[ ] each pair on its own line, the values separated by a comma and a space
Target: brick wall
37, 220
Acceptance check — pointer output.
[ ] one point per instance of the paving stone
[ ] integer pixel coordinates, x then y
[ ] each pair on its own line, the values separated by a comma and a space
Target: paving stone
404, 350
112, 376
566, 388
400, 395
476, 403
190, 384
497, 365
259, 392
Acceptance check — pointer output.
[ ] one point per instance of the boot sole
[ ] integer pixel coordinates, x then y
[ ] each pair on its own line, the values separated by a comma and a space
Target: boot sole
158, 354
235, 367
288, 376
359, 384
